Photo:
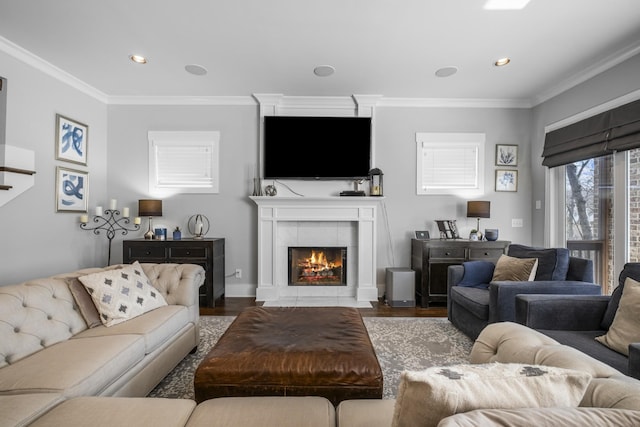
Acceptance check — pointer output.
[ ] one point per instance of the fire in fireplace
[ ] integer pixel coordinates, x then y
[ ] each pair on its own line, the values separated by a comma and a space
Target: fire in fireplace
319, 266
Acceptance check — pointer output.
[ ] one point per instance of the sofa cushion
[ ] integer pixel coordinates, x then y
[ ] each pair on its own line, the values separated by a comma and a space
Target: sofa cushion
632, 270
625, 328
515, 269
118, 411
74, 367
21, 409
156, 326
585, 342
536, 417
426, 397
616, 392
553, 263
477, 274
264, 411
85, 302
365, 412
122, 294
474, 300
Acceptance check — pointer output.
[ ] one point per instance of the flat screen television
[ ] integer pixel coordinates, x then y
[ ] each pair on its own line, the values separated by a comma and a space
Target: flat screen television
317, 148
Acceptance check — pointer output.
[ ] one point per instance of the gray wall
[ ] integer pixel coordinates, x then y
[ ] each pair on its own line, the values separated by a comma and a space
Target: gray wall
37, 241
611, 84
233, 215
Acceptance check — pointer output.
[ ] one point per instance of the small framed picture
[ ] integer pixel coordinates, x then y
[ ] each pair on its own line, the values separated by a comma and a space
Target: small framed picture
422, 235
506, 180
71, 190
506, 155
72, 139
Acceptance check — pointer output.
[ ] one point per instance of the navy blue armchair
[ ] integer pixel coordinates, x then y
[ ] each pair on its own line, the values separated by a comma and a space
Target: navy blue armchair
472, 306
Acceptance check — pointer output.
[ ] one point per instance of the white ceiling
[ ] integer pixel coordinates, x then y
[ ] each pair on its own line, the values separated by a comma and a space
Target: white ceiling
383, 47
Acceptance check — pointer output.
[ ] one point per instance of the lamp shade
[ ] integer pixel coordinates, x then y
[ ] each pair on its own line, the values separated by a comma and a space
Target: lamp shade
478, 209
149, 207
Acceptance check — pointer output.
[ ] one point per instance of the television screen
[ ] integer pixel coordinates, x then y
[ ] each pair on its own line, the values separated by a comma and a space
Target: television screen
320, 148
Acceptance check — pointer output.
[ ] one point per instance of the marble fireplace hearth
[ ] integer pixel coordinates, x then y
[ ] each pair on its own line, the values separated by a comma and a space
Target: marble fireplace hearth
316, 221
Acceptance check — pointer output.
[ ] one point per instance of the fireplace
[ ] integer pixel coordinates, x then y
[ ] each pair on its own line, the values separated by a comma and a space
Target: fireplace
317, 266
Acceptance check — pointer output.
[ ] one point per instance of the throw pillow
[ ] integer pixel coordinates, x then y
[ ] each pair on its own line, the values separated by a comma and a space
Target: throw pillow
630, 269
515, 269
477, 274
625, 328
120, 295
553, 263
84, 302
426, 397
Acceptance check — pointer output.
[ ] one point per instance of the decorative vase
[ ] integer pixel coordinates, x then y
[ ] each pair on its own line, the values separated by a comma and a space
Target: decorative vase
491, 234
177, 235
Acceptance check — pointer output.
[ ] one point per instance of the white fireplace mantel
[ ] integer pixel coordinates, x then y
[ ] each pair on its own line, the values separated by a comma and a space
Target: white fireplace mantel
274, 212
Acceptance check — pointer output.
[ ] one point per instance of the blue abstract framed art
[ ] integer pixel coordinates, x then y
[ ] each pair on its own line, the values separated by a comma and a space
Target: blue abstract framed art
506, 180
72, 138
71, 190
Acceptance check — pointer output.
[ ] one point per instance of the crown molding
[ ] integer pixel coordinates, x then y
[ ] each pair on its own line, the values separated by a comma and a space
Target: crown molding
40, 64
454, 103
346, 102
589, 72
182, 100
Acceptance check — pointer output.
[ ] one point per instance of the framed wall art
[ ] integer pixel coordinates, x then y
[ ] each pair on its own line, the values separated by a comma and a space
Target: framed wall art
71, 190
72, 140
506, 180
506, 155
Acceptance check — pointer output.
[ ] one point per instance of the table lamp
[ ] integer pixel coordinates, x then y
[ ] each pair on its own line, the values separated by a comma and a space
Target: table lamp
478, 209
150, 208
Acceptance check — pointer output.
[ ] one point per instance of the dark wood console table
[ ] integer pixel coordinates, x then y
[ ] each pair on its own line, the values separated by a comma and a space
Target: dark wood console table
209, 253
430, 259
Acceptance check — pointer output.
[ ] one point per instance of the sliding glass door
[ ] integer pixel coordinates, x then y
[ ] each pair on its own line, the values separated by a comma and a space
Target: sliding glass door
589, 219
601, 207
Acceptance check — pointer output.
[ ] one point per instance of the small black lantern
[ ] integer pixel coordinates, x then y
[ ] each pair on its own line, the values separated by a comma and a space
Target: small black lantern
375, 182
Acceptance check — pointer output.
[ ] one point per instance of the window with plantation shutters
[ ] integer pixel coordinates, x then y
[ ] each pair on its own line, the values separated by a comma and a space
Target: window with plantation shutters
449, 163
184, 162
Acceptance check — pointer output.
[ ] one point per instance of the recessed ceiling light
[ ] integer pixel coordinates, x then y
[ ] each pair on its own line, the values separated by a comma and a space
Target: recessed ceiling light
138, 59
324, 70
505, 4
196, 70
446, 71
502, 62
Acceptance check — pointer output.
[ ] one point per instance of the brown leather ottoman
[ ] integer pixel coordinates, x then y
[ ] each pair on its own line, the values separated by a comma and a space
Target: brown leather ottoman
293, 351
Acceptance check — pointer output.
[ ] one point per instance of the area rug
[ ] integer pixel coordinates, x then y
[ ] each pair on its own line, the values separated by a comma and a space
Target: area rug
401, 343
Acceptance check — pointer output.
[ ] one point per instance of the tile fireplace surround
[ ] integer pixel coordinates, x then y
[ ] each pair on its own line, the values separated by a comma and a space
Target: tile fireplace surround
317, 221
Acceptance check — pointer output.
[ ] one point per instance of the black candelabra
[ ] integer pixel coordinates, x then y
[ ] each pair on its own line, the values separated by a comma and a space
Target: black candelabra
110, 223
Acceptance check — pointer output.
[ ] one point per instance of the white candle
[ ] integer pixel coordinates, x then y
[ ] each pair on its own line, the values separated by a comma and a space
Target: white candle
112, 204
98, 210
125, 212
84, 219
137, 220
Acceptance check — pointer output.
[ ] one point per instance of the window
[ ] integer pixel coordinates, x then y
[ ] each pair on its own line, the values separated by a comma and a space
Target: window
449, 163
589, 214
183, 162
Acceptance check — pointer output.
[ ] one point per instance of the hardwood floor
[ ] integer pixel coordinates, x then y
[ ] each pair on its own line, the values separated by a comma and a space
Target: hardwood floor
233, 306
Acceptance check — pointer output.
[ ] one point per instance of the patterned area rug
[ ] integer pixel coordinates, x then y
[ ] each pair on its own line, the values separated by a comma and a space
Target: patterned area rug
401, 343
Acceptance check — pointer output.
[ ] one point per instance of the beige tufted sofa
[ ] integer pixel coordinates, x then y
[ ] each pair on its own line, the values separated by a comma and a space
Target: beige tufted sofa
611, 398
48, 352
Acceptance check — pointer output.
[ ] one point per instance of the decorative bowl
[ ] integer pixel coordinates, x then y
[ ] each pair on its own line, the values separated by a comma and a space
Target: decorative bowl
491, 234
